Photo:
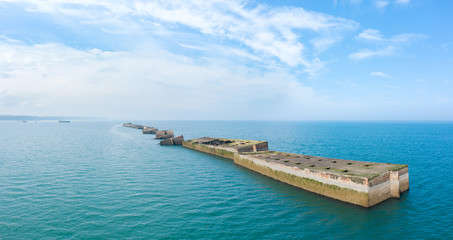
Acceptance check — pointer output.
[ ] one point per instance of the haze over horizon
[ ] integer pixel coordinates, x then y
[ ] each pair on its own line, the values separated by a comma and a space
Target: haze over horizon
227, 59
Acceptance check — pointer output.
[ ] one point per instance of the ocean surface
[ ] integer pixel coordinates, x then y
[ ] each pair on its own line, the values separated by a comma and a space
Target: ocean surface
99, 180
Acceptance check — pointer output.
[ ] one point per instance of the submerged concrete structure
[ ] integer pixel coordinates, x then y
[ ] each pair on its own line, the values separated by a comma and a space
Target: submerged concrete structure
361, 183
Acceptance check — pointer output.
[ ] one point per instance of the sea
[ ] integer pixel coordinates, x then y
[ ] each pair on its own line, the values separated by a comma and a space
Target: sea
100, 180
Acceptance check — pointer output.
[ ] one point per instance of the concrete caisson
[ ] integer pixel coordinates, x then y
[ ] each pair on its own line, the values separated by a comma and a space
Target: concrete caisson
172, 141
164, 134
361, 183
149, 130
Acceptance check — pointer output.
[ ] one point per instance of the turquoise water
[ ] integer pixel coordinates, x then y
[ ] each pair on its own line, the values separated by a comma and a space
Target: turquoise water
91, 180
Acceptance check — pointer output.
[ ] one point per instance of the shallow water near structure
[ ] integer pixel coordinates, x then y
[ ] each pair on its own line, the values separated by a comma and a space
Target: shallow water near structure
99, 179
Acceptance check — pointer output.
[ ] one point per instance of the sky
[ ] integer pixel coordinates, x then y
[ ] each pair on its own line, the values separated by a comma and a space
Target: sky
228, 59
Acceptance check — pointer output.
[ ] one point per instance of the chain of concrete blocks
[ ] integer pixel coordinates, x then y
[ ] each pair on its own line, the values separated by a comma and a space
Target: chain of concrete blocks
168, 136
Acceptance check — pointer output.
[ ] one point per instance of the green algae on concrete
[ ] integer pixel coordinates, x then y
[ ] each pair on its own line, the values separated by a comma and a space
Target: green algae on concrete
329, 190
199, 146
225, 147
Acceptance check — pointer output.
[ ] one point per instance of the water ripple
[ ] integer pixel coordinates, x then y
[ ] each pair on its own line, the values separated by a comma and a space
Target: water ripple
100, 180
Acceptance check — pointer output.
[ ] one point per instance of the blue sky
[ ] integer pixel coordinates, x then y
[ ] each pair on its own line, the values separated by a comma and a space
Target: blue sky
228, 59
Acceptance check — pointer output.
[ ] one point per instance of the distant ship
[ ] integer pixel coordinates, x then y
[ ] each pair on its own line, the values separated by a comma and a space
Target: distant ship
64, 121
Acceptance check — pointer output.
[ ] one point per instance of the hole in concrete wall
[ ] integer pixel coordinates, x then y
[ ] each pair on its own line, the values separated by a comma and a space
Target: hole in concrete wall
286, 161
327, 168
367, 165
334, 161
344, 170
320, 159
348, 163
312, 165
276, 158
298, 163
297, 156
218, 142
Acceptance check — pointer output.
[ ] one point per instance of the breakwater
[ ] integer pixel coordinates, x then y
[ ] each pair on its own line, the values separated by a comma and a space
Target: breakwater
357, 182
167, 135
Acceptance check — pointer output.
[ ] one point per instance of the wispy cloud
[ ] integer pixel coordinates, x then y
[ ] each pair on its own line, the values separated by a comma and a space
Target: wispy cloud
383, 46
368, 53
267, 32
402, 1
220, 59
193, 47
407, 37
371, 34
378, 4
270, 33
374, 35
381, 4
380, 74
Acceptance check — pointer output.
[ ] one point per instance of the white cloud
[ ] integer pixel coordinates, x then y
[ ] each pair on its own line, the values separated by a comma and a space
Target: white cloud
407, 37
52, 79
247, 61
380, 74
375, 35
402, 1
353, 2
267, 32
371, 34
242, 53
192, 47
381, 4
385, 46
368, 53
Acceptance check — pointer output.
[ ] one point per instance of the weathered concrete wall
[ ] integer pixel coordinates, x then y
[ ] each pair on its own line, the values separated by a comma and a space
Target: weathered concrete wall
149, 130
305, 180
136, 126
178, 140
394, 184
206, 149
172, 141
403, 179
166, 142
254, 148
379, 193
164, 134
